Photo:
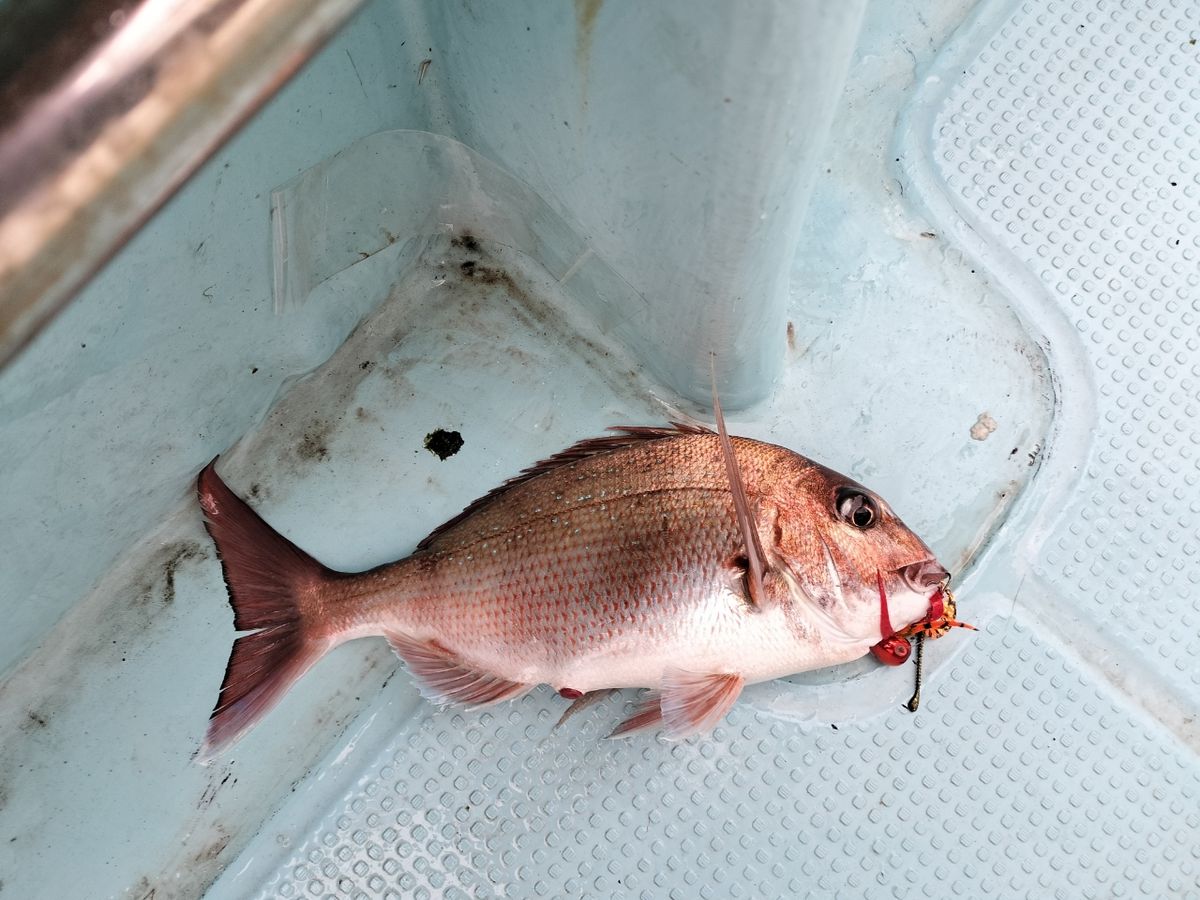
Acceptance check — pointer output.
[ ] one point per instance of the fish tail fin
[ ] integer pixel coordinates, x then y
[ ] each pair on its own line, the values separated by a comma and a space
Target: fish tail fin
272, 584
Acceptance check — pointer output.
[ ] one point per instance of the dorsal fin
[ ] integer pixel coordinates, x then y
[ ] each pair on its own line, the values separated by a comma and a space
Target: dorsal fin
754, 550
622, 436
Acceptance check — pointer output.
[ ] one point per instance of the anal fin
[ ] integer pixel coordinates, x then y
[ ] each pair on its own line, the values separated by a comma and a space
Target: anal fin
687, 703
445, 679
647, 715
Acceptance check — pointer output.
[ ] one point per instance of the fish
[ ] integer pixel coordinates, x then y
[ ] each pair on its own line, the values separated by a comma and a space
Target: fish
675, 558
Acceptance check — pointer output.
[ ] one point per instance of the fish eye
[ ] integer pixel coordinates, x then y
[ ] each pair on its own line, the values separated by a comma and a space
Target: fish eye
857, 508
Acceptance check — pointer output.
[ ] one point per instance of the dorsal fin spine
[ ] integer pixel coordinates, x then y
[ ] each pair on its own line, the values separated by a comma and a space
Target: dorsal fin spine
754, 552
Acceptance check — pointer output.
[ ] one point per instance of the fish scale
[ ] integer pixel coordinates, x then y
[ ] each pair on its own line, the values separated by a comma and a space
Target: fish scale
619, 566
632, 560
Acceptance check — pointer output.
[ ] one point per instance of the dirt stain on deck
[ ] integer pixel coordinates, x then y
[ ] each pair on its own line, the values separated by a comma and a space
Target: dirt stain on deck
586, 12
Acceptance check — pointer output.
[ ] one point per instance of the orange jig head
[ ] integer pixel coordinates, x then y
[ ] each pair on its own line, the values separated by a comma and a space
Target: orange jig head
892, 651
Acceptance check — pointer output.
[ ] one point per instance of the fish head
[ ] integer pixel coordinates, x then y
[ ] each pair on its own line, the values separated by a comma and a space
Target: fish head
846, 554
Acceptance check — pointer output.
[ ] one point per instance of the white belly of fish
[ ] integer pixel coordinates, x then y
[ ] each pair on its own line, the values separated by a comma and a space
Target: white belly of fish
724, 638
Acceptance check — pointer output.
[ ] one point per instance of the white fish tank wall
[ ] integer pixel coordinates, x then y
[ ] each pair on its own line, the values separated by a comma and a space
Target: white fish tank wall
950, 249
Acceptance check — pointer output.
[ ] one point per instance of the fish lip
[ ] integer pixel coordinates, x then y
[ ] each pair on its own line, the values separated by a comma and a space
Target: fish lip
923, 575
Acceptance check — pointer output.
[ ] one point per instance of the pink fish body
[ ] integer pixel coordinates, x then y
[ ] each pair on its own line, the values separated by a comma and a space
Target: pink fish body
621, 562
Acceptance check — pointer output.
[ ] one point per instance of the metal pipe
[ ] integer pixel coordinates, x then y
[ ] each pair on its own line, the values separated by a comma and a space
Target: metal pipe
106, 108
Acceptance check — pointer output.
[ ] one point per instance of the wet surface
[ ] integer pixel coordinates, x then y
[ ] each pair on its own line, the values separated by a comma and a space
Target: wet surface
338, 466
890, 362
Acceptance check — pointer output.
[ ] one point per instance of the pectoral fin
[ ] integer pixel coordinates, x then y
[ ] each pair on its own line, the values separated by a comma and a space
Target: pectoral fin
687, 703
444, 679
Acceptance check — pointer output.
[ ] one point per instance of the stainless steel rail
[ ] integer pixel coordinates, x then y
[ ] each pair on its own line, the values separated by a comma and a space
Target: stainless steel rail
106, 108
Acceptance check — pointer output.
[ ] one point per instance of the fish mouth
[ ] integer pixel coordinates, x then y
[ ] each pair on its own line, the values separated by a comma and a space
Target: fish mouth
923, 575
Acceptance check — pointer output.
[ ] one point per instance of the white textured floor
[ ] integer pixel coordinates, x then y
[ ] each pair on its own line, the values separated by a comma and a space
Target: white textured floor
1072, 145
994, 324
1055, 144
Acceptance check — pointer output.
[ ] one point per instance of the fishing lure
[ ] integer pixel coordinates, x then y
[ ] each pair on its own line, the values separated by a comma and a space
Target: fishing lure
895, 649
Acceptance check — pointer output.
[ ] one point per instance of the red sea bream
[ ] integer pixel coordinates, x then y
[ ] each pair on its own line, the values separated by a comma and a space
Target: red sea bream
675, 559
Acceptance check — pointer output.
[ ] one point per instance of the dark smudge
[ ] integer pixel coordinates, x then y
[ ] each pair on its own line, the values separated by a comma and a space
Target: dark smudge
442, 443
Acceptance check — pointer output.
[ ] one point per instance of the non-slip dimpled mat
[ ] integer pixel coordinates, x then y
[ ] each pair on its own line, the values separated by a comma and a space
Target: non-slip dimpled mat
1032, 784
1068, 141
1074, 139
